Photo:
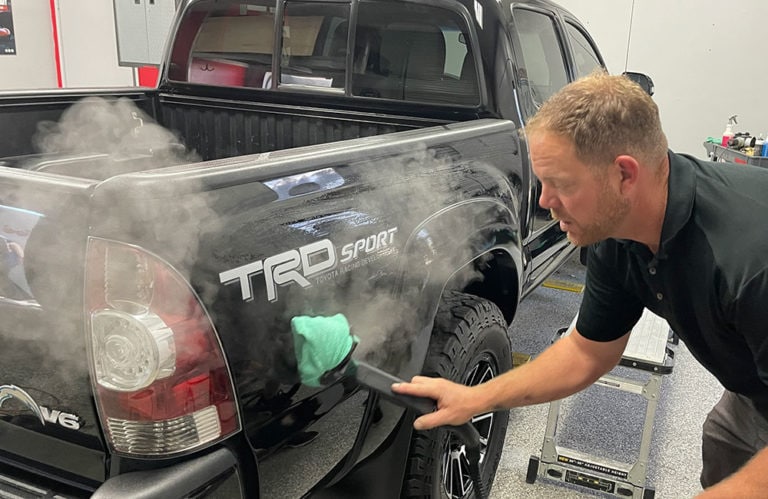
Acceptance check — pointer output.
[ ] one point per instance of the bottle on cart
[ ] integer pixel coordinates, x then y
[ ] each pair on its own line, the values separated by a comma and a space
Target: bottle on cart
764, 152
758, 148
728, 133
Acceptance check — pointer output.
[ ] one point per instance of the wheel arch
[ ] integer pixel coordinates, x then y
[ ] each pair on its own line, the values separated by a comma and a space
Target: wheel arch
495, 276
474, 247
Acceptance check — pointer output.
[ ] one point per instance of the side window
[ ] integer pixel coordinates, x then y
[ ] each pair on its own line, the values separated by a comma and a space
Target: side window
413, 52
543, 65
584, 53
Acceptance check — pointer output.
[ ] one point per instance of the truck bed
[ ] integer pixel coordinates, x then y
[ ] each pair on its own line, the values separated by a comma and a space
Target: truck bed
220, 128
203, 128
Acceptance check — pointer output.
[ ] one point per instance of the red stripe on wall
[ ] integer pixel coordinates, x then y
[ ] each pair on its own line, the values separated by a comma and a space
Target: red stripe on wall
56, 51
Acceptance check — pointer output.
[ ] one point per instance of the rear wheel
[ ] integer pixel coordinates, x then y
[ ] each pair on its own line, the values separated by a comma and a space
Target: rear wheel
470, 346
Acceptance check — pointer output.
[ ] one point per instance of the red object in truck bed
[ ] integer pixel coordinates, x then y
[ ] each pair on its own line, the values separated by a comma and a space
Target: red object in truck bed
217, 72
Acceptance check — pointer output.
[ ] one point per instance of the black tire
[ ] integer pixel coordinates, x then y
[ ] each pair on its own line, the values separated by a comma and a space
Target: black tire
469, 345
649, 493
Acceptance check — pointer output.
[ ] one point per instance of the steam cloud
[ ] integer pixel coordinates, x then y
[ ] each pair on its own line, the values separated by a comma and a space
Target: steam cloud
95, 138
409, 189
112, 127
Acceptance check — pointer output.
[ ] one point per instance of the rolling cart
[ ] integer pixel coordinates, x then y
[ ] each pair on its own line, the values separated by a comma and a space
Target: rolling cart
722, 154
648, 350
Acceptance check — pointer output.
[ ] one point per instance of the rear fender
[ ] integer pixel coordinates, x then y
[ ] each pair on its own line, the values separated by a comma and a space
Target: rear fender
443, 252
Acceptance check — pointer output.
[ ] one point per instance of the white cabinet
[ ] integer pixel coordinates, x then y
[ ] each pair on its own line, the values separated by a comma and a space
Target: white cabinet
142, 28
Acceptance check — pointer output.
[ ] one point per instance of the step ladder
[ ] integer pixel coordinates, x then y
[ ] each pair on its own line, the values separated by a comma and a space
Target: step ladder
648, 350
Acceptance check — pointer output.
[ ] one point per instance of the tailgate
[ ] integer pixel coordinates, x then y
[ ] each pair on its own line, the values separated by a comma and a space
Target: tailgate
48, 423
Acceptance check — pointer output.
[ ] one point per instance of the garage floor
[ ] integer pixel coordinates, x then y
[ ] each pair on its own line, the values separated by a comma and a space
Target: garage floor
603, 421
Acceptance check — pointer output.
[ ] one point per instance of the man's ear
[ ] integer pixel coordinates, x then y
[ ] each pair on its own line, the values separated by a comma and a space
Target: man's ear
629, 171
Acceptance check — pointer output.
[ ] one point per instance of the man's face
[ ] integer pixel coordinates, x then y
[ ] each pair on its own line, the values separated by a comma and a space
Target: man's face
587, 201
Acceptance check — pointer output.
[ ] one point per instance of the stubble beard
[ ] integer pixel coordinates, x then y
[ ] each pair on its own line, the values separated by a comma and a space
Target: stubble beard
613, 210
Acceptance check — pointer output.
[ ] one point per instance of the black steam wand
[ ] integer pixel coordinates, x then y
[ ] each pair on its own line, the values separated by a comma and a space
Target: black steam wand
381, 382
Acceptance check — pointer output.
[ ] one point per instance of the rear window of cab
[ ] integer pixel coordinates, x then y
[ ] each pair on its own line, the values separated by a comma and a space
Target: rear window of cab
397, 50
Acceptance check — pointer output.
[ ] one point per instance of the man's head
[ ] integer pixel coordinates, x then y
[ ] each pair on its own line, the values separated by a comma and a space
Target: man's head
595, 145
604, 116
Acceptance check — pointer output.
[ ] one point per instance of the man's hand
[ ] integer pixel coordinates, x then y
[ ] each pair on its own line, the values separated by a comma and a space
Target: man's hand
455, 402
569, 365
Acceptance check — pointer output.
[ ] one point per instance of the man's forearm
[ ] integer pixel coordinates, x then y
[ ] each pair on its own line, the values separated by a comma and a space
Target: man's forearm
568, 366
750, 482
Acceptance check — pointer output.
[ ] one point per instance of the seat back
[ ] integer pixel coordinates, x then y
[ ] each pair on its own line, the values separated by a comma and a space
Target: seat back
407, 61
424, 68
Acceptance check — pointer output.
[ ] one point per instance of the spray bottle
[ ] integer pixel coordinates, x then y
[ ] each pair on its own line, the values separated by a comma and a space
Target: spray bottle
728, 133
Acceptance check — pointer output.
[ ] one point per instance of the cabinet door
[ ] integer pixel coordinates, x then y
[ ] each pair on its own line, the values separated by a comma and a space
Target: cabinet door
131, 24
159, 18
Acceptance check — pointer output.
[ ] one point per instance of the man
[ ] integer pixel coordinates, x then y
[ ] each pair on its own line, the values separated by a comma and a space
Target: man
685, 238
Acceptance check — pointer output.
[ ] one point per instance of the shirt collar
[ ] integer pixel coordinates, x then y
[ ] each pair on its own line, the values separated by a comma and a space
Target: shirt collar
681, 192
680, 196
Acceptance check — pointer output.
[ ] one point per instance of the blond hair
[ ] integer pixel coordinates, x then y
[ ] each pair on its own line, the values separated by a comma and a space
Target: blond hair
604, 117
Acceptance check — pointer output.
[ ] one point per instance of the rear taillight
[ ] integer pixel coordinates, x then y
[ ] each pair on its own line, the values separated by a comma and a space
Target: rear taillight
161, 382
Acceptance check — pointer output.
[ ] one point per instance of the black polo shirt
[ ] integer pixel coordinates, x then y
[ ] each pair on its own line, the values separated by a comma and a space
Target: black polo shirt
709, 279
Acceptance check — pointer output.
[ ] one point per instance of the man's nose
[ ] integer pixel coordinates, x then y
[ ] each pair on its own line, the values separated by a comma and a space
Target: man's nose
547, 198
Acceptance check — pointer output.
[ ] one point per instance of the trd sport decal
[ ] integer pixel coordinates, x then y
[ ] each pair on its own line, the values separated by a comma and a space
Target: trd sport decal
311, 260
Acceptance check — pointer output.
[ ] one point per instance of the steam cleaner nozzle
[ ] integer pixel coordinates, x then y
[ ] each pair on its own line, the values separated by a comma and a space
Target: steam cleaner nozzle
324, 346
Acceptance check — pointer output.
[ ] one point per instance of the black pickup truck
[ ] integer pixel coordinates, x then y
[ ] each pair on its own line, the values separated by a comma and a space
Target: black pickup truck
298, 157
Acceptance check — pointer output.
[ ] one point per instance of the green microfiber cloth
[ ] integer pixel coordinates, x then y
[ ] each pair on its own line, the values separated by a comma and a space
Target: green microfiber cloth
321, 344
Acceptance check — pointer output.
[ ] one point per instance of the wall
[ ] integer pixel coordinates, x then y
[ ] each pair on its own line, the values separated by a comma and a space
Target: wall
704, 57
33, 66
89, 45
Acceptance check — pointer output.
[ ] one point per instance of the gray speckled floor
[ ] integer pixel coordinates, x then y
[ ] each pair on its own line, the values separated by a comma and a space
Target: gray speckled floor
602, 421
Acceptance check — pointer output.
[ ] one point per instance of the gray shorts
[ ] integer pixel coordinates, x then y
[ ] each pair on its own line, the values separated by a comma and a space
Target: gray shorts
733, 432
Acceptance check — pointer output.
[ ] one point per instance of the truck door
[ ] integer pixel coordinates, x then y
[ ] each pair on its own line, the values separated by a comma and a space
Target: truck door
586, 58
542, 70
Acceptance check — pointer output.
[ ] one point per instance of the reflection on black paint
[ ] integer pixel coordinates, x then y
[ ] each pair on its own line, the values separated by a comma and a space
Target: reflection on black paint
15, 227
287, 426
